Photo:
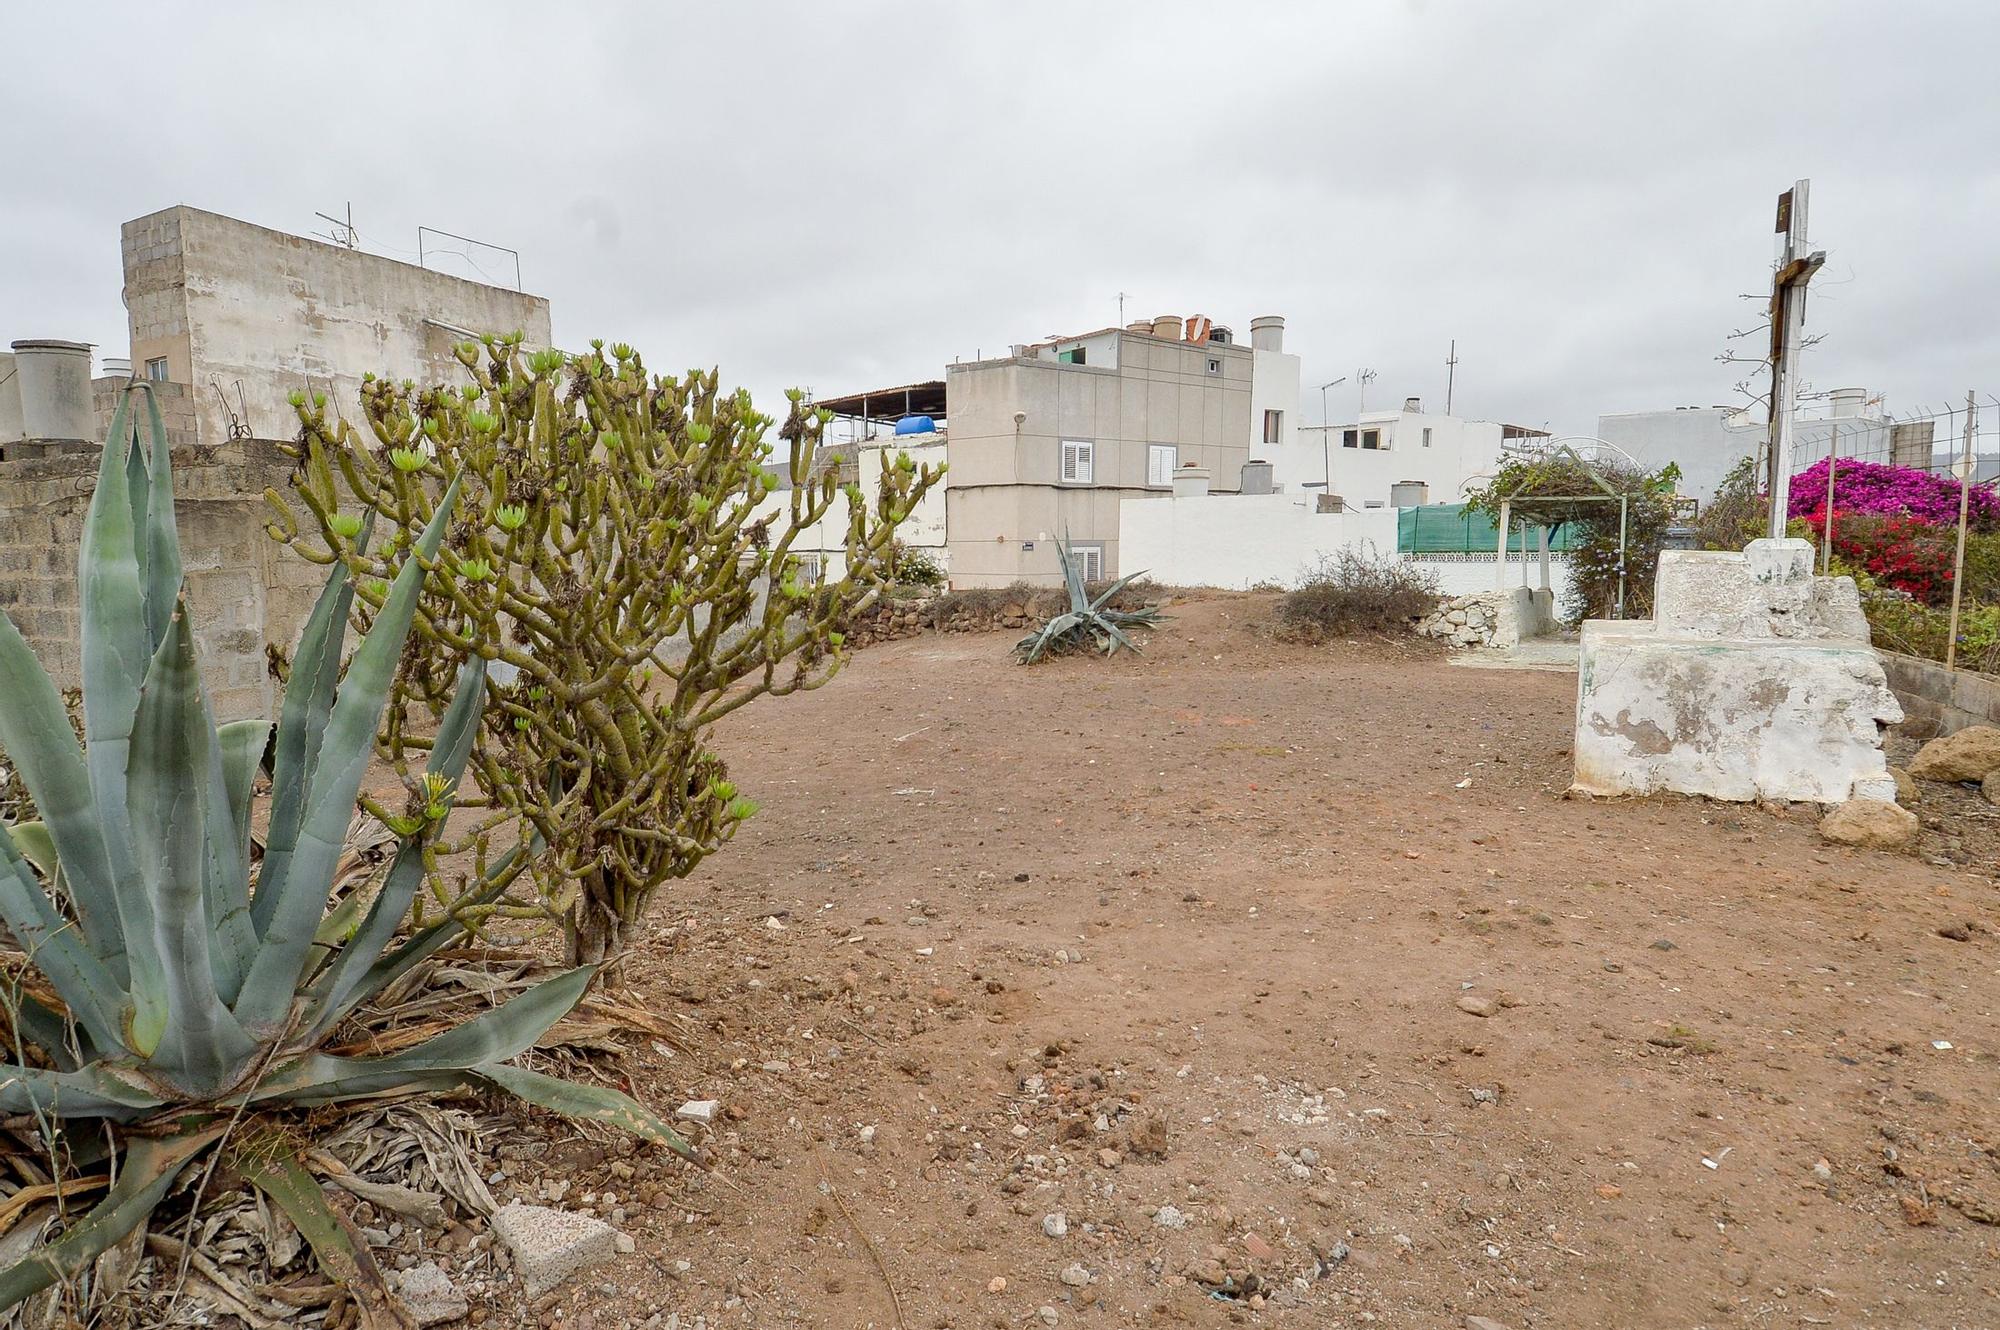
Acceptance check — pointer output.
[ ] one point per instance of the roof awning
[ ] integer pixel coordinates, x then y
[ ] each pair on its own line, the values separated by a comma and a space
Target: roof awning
889, 404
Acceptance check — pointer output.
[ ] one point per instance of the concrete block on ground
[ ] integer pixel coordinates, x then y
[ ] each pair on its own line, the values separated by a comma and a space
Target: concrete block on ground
1731, 719
551, 1245
430, 1295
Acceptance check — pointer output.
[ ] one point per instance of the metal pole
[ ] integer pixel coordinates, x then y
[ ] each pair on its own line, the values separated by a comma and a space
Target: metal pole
1826, 537
1500, 558
1624, 504
1958, 559
1545, 558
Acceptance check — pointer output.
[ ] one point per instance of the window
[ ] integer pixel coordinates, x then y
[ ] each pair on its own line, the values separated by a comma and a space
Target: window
1076, 461
1274, 425
1350, 438
1073, 356
1214, 365
1161, 459
1371, 438
1427, 436
156, 369
1089, 561
810, 569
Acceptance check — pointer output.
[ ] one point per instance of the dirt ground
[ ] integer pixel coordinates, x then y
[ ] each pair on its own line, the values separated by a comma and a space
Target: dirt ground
1240, 983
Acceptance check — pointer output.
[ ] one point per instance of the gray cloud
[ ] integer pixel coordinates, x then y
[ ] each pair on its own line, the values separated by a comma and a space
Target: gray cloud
850, 195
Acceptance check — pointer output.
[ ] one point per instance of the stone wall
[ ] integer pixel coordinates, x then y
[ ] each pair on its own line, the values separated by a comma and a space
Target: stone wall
1939, 701
243, 588
1499, 618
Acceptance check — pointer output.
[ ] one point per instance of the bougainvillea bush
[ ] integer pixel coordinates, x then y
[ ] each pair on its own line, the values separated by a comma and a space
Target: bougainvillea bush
1902, 553
1878, 489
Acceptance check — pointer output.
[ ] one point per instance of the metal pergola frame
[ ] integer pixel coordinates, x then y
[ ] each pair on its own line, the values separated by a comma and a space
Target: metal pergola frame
1606, 494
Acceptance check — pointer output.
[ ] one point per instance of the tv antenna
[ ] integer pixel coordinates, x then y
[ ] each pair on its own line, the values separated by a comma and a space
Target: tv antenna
342, 233
239, 425
1363, 378
1450, 373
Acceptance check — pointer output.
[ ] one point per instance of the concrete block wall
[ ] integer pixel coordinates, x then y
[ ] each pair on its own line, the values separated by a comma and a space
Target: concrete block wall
1939, 701
243, 588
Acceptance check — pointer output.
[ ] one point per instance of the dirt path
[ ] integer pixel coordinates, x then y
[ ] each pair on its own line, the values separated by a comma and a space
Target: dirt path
1138, 985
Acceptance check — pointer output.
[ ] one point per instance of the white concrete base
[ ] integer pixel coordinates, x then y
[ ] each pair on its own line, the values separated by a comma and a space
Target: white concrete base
1732, 719
1755, 680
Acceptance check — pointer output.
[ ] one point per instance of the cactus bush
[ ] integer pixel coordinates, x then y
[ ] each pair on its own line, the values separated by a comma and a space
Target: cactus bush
617, 559
187, 994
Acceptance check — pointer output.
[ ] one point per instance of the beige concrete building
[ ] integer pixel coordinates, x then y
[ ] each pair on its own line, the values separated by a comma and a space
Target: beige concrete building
218, 304
245, 315
1044, 442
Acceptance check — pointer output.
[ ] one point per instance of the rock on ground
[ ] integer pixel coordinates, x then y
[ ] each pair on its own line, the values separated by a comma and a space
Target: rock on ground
1907, 792
551, 1245
1872, 823
430, 1295
1970, 754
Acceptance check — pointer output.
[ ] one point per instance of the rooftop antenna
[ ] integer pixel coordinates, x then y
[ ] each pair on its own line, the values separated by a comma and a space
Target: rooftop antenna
1121, 309
343, 233
1450, 374
239, 425
1363, 378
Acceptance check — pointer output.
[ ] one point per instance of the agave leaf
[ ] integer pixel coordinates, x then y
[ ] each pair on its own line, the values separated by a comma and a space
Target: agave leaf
175, 776
344, 752
1114, 635
47, 1029
340, 1250
448, 755
145, 1173
1072, 575
116, 652
492, 1036
52, 942
243, 743
587, 1103
156, 531
308, 701
36, 734
92, 1092
37, 846
1104, 596
428, 941
139, 493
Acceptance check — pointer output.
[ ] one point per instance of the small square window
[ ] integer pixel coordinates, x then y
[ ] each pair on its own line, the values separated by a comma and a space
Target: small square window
1089, 561
1214, 365
156, 369
811, 568
1077, 461
1161, 459
1350, 438
1371, 438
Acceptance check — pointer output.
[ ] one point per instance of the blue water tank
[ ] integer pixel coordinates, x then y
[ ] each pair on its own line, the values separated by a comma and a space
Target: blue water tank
916, 425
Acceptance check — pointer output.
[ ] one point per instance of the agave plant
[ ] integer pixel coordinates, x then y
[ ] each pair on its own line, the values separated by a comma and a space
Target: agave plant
193, 993
1087, 624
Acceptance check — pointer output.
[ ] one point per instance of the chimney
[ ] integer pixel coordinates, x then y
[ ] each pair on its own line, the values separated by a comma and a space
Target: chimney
55, 390
1267, 332
1414, 405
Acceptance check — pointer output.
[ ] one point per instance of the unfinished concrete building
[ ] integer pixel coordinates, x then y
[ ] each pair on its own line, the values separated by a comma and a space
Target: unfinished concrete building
227, 320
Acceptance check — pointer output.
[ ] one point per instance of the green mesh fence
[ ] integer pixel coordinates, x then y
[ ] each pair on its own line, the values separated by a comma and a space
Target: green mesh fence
1449, 528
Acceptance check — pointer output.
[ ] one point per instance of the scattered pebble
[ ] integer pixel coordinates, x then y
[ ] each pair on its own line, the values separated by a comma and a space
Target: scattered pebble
1055, 1225
1075, 1276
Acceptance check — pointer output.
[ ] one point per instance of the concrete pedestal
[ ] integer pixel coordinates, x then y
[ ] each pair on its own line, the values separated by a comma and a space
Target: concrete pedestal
1755, 680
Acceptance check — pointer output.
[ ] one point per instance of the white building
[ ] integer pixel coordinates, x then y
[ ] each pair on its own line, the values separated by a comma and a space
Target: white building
822, 545
1707, 442
1397, 459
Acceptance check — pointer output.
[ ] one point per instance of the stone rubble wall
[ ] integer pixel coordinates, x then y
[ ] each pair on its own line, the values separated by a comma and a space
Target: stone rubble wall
1464, 621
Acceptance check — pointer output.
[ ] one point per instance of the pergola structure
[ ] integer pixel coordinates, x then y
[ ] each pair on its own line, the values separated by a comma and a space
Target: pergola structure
1606, 492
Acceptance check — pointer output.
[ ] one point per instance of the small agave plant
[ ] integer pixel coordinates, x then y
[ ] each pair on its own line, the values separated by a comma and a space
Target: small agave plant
1086, 625
193, 992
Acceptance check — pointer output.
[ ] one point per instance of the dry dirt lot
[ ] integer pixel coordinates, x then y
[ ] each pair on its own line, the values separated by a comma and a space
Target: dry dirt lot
1242, 984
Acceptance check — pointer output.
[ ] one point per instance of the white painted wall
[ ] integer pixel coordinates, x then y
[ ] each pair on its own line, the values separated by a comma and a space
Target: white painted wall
1235, 541
1274, 386
1460, 452
924, 529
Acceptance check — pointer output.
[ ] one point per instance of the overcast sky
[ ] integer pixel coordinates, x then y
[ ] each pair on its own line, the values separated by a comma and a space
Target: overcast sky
847, 195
